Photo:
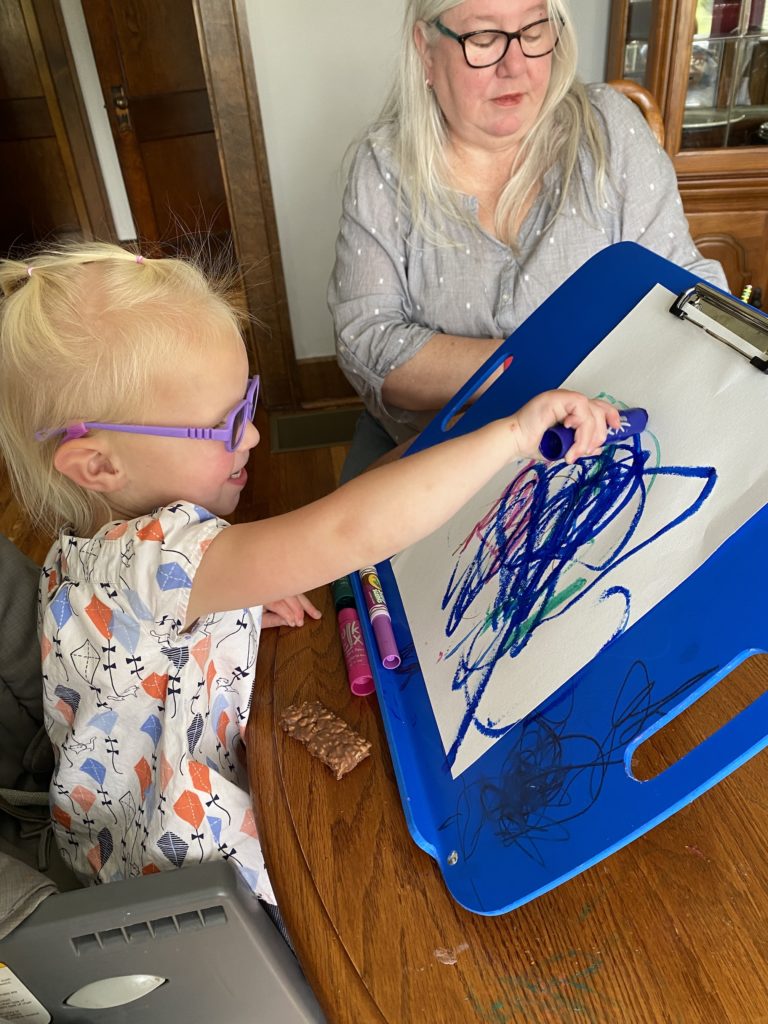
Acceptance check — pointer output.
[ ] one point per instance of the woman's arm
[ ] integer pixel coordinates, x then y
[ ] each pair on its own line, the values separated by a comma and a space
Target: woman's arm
436, 372
387, 352
379, 513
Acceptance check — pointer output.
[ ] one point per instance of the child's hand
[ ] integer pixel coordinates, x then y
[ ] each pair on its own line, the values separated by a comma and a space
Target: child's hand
288, 611
589, 417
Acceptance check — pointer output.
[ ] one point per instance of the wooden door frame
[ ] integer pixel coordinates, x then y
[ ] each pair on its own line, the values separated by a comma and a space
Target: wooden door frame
228, 64
101, 32
58, 76
227, 55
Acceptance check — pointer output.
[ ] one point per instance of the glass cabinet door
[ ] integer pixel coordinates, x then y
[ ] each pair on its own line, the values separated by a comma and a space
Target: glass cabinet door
726, 103
726, 94
638, 41
705, 62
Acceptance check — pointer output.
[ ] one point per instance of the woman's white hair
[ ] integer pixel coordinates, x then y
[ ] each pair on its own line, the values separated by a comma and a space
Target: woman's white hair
416, 128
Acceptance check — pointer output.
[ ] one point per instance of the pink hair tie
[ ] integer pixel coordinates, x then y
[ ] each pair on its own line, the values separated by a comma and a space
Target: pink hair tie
139, 258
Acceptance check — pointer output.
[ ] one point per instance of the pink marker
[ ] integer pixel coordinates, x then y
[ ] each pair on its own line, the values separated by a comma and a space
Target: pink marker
358, 667
379, 616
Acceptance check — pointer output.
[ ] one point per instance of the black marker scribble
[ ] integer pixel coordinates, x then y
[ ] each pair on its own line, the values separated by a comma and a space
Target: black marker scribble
552, 774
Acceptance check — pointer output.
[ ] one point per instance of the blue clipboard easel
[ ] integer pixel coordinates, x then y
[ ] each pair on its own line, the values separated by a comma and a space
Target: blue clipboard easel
556, 794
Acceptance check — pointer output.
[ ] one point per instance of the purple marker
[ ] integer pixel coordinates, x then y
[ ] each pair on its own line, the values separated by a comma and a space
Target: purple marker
378, 613
556, 441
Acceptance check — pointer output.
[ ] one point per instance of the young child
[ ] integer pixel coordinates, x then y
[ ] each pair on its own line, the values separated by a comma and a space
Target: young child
126, 415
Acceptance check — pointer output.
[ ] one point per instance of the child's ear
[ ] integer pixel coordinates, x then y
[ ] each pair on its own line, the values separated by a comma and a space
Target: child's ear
89, 467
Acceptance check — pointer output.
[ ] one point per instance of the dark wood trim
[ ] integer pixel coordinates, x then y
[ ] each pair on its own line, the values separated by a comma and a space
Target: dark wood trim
170, 115
322, 383
744, 162
675, 71
58, 77
724, 193
663, 33
98, 18
227, 56
617, 34
664, 36
724, 190
27, 118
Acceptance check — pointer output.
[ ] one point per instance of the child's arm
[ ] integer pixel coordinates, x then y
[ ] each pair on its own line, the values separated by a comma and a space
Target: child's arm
379, 513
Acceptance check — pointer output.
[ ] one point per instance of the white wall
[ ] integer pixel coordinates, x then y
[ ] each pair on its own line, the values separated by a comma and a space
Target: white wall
319, 85
322, 71
592, 17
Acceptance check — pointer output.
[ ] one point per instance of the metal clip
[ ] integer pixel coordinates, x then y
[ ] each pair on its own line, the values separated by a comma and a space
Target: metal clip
739, 326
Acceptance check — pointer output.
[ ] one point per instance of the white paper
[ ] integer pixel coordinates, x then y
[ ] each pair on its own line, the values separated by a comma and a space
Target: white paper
558, 598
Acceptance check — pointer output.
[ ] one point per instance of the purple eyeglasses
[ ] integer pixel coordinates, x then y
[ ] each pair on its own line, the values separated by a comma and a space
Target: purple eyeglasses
231, 433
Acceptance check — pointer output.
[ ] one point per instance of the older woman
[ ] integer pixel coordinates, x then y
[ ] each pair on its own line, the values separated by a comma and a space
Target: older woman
489, 177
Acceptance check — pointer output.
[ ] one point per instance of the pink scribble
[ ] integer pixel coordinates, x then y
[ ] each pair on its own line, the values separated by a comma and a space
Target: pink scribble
510, 526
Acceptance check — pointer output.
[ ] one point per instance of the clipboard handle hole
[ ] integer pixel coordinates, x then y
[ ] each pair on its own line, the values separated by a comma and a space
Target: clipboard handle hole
472, 390
694, 722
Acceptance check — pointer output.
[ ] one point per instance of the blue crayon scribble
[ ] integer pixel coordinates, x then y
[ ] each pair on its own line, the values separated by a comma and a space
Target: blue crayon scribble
552, 774
544, 525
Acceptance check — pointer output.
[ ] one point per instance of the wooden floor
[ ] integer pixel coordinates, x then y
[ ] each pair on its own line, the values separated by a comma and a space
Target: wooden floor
277, 483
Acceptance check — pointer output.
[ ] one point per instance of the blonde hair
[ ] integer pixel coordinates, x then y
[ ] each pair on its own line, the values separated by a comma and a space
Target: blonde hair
414, 123
85, 330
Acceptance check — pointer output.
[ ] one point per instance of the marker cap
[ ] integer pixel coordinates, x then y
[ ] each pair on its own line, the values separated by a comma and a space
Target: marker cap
343, 595
556, 441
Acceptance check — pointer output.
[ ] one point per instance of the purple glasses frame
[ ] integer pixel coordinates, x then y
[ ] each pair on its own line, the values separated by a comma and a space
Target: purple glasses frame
231, 433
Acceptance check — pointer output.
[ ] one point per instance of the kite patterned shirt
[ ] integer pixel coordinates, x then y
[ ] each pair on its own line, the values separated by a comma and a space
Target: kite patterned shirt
146, 713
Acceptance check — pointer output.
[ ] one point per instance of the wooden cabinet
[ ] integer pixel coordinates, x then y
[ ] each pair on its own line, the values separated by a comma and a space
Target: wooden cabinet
706, 63
51, 186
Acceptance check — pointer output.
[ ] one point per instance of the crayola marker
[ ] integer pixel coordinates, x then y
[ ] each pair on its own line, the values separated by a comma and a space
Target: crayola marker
378, 613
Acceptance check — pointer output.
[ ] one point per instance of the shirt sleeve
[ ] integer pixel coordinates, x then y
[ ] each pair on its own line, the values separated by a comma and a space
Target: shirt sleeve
651, 210
368, 294
165, 550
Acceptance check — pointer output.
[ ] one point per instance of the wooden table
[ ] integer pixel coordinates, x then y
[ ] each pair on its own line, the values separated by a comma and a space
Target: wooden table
673, 928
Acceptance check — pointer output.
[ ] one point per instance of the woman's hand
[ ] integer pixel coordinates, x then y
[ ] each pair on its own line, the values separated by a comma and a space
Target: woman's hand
590, 418
288, 611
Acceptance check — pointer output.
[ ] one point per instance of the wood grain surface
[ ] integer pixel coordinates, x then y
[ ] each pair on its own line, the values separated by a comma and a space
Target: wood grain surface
669, 929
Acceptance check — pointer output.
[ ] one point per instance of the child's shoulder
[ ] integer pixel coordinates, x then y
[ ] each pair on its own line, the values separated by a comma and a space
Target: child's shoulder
179, 519
176, 534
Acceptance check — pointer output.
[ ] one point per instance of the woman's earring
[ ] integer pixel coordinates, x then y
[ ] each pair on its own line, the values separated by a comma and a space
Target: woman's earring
427, 83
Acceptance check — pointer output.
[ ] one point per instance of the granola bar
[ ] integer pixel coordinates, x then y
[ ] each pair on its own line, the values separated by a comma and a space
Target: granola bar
325, 736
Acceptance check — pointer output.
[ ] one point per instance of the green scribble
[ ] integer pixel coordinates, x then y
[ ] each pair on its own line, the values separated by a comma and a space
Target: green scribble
492, 617
561, 994
654, 441
494, 1014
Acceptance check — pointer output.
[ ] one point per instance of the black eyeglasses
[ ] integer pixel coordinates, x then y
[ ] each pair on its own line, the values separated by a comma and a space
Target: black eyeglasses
487, 47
